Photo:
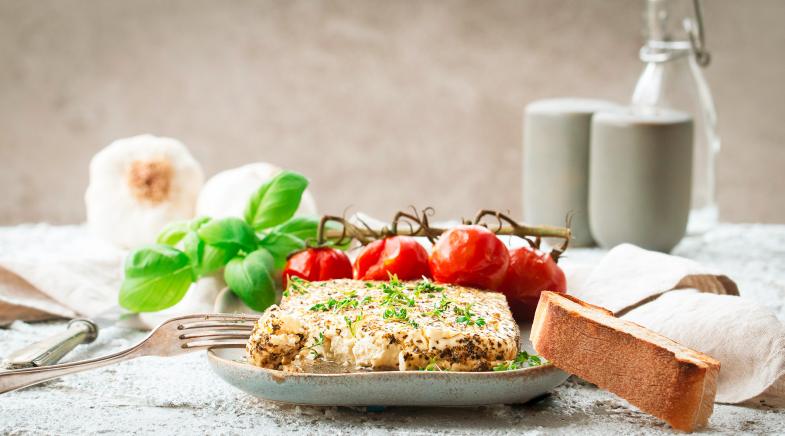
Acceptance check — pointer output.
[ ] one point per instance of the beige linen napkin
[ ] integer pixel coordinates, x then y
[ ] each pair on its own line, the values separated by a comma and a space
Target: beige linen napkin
695, 306
629, 276
63, 272
56, 271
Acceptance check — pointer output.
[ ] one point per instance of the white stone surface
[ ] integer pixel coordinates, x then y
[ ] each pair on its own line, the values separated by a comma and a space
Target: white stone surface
181, 396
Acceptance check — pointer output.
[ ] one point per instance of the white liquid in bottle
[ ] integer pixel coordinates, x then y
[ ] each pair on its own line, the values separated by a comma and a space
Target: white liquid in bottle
672, 79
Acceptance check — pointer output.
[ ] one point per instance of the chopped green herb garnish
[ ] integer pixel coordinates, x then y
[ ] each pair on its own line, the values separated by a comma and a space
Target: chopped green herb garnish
346, 302
335, 305
522, 360
316, 342
394, 279
428, 286
399, 314
466, 316
352, 323
297, 285
441, 307
320, 307
432, 366
395, 293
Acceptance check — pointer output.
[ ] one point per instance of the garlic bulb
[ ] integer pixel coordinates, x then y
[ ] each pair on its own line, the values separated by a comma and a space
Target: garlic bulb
138, 185
227, 193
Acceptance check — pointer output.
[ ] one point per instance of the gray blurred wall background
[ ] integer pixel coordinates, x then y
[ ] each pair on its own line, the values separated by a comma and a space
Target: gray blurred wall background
381, 103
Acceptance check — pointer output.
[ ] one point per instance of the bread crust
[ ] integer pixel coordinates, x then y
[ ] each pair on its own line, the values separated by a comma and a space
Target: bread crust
652, 372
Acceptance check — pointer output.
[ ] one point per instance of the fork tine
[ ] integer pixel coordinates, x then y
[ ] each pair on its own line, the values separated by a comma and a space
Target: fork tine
214, 344
216, 335
216, 325
230, 317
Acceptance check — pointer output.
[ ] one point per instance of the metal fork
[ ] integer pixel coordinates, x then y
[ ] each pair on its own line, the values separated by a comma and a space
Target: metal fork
173, 337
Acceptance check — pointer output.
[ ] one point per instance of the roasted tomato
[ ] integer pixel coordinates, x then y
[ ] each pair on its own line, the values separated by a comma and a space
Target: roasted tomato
399, 255
469, 256
316, 264
530, 272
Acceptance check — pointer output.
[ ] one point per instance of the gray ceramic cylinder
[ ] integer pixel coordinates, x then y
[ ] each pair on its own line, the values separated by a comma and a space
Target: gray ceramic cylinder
556, 136
640, 178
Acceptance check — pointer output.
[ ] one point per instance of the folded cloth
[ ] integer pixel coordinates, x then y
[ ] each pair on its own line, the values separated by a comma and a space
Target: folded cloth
629, 276
56, 271
747, 339
697, 307
63, 272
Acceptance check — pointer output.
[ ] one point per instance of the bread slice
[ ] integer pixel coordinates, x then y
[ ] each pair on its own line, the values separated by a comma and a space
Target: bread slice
652, 372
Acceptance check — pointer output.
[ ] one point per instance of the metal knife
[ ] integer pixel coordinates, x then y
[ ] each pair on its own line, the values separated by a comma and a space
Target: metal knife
79, 331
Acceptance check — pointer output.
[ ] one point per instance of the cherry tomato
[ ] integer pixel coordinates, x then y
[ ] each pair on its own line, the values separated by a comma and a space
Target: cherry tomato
399, 255
316, 264
530, 272
469, 256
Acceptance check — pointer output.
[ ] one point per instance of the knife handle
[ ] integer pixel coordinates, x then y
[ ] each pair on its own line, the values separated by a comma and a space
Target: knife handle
53, 348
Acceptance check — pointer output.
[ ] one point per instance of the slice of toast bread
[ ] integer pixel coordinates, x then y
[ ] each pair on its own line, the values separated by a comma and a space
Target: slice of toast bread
652, 372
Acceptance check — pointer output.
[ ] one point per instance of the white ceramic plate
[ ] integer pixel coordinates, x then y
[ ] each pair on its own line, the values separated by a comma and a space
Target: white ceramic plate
387, 388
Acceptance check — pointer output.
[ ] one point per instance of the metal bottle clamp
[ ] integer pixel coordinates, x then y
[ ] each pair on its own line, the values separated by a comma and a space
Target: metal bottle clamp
663, 51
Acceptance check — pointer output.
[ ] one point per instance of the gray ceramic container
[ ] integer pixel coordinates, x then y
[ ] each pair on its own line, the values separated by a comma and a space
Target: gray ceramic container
640, 178
556, 135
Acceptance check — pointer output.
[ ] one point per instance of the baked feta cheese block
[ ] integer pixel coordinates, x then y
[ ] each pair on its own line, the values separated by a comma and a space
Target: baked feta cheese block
385, 326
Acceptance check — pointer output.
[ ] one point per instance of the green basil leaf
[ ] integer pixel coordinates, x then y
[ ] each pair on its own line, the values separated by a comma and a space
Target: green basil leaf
215, 258
156, 277
173, 233
198, 222
307, 228
206, 258
251, 279
276, 200
194, 248
229, 234
303, 227
280, 245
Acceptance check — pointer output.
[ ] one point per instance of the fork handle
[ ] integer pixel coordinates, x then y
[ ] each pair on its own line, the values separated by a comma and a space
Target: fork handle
21, 378
50, 350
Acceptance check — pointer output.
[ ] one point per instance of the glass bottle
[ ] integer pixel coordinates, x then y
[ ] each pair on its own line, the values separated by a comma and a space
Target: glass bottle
673, 54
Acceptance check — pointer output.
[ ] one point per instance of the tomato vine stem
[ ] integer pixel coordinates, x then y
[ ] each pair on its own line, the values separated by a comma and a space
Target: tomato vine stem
414, 223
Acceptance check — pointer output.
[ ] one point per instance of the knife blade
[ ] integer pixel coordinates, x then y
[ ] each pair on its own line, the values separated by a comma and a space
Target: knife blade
78, 331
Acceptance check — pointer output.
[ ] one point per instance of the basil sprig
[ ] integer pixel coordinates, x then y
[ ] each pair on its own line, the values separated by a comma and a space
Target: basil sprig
250, 250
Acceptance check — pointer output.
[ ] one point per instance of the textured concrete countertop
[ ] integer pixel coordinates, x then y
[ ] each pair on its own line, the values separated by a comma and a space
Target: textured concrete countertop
181, 396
